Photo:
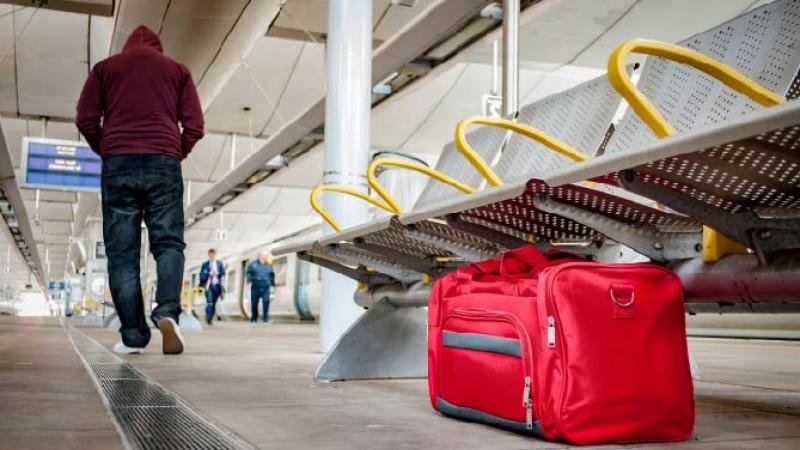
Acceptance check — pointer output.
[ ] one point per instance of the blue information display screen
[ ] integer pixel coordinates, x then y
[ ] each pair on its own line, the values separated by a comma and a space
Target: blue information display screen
61, 164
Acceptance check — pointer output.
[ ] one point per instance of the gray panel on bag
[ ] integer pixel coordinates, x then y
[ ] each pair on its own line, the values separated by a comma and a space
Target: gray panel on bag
764, 44
473, 415
482, 342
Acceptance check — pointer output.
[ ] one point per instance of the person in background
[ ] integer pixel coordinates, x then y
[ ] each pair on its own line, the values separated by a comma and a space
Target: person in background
261, 278
211, 274
140, 112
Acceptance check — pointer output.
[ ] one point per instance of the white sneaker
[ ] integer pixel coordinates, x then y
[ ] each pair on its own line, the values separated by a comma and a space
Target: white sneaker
172, 340
266, 324
122, 349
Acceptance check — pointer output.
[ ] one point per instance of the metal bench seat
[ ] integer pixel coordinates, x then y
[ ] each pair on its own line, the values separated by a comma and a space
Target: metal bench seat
738, 283
746, 185
542, 209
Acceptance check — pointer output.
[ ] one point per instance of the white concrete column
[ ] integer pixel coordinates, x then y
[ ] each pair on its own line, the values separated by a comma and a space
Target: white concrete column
347, 145
510, 57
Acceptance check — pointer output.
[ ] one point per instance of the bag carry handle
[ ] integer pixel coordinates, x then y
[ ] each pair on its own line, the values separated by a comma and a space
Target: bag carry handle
520, 260
508, 285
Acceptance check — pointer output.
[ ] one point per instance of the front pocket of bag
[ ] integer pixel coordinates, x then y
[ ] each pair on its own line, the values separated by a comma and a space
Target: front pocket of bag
482, 370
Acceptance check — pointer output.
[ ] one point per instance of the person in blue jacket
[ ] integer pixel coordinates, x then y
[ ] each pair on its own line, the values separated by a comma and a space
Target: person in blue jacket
211, 275
261, 278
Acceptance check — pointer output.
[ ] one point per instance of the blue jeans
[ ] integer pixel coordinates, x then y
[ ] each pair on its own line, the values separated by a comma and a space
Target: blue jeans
212, 295
259, 292
149, 188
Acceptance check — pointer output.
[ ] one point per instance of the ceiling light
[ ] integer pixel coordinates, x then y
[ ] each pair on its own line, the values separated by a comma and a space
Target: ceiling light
474, 30
492, 11
257, 176
277, 162
382, 89
226, 198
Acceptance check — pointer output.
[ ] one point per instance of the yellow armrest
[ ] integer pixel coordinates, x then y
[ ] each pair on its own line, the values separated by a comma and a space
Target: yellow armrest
344, 190
540, 136
715, 245
421, 168
645, 109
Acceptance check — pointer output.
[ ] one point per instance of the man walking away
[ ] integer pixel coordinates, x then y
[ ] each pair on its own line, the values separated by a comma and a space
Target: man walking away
261, 278
129, 112
211, 273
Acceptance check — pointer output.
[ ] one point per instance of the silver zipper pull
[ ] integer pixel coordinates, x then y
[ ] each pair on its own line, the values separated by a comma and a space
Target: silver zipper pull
529, 417
551, 332
526, 393
528, 404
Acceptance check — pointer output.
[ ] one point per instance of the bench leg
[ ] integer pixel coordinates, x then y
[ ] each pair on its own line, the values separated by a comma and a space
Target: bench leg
385, 342
112, 322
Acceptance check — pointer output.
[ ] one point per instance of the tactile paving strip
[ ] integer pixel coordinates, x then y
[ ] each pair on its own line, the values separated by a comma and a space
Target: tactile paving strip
149, 416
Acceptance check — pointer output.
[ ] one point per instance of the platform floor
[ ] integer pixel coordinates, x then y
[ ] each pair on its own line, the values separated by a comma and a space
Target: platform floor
258, 383
47, 401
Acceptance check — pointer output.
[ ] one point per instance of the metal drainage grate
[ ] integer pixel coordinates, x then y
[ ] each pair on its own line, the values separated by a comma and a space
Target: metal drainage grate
148, 416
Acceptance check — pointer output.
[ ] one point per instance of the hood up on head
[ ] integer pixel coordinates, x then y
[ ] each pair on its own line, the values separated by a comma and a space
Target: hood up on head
143, 37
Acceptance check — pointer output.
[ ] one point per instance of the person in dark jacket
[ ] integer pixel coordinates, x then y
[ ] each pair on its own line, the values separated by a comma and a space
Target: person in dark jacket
211, 275
261, 278
131, 112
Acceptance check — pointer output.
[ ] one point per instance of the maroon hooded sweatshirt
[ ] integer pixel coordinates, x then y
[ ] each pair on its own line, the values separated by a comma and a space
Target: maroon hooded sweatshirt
140, 95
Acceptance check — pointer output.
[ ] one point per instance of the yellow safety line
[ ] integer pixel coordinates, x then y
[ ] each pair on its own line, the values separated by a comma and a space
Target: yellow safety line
618, 77
343, 190
421, 168
715, 245
540, 136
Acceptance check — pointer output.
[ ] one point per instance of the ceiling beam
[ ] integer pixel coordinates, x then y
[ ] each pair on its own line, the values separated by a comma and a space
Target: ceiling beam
442, 18
93, 7
248, 29
11, 192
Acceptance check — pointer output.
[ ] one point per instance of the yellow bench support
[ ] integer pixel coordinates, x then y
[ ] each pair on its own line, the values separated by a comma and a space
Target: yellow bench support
645, 109
715, 245
343, 190
417, 167
528, 131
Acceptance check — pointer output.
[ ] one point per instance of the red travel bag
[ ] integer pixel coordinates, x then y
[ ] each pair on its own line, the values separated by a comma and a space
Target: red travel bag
562, 348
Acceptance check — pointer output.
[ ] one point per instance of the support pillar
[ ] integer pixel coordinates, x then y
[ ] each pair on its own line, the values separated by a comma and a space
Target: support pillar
347, 141
510, 57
